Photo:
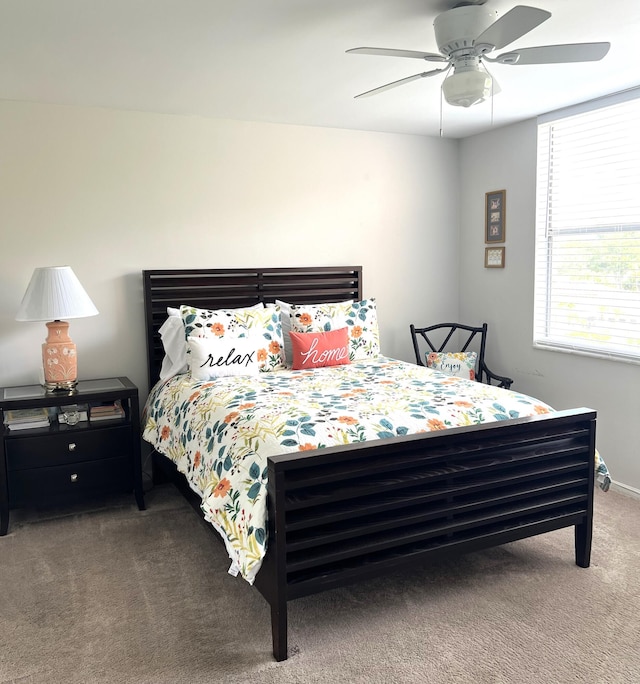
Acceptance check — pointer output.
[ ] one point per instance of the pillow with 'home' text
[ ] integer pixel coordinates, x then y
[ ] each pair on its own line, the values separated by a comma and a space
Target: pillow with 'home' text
316, 350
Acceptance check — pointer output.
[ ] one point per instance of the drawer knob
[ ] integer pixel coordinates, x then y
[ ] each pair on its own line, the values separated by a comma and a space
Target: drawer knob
72, 446
74, 477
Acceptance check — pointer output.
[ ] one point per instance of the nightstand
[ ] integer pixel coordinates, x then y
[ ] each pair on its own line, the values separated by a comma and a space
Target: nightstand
64, 463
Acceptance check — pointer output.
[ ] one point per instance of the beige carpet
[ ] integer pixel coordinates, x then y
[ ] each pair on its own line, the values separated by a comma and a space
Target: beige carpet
116, 595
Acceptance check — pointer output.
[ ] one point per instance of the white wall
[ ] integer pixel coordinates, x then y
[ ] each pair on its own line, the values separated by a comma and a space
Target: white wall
111, 193
506, 158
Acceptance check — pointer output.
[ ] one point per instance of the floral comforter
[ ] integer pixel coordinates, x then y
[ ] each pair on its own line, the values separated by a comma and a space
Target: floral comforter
220, 432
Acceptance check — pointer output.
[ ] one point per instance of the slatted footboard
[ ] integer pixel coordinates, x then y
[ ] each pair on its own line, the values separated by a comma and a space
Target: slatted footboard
348, 513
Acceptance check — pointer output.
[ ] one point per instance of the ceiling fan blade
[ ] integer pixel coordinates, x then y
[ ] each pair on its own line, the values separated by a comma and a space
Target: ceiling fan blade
402, 81
511, 26
555, 54
389, 52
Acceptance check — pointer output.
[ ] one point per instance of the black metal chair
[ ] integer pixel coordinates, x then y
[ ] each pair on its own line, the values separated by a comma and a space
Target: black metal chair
438, 337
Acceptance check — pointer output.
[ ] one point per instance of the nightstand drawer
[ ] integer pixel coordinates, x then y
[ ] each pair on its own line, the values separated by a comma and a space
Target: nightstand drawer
68, 447
65, 482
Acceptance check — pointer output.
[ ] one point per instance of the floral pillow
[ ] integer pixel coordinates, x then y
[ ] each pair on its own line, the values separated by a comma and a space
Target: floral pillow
234, 323
360, 318
459, 364
174, 343
285, 317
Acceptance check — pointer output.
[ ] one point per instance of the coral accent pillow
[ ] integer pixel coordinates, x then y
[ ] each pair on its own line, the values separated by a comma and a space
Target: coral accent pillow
316, 350
459, 364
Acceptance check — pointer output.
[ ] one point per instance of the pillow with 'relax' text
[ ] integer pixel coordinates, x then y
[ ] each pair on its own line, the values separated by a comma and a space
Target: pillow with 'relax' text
211, 357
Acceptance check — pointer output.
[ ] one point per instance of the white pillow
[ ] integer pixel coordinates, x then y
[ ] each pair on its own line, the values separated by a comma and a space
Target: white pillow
212, 357
174, 341
285, 310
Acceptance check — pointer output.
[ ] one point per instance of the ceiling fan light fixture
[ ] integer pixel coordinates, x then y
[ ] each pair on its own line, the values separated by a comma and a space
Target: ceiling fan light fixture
466, 88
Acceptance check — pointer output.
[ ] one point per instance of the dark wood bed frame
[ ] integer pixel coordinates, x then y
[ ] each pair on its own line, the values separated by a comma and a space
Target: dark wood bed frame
345, 514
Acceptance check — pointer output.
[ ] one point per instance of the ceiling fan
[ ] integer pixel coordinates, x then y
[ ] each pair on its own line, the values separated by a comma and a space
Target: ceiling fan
467, 34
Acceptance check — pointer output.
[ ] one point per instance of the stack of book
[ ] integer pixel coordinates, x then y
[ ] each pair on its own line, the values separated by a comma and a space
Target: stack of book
106, 411
24, 419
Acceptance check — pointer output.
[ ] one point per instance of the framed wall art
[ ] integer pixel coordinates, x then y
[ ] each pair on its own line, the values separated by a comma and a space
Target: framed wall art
495, 213
494, 257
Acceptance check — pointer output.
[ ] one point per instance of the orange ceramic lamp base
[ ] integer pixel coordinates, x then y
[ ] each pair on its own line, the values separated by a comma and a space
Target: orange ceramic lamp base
59, 358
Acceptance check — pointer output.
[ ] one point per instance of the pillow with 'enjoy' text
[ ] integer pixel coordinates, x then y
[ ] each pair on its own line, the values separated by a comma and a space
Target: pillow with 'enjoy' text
459, 364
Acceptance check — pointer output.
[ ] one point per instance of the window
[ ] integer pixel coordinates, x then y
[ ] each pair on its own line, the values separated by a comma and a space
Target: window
587, 260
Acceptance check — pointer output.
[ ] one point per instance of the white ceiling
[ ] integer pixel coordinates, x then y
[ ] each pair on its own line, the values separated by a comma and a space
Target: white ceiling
284, 61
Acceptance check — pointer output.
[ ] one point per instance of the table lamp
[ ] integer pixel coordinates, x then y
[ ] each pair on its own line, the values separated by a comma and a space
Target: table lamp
55, 293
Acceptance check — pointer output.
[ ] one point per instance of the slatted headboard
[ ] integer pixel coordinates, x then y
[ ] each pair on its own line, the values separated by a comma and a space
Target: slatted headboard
229, 288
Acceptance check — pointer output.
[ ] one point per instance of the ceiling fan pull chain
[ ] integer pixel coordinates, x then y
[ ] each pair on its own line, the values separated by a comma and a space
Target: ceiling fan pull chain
492, 101
493, 81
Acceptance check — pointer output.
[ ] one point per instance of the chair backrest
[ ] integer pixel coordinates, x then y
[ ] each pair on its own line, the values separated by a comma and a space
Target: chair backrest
456, 337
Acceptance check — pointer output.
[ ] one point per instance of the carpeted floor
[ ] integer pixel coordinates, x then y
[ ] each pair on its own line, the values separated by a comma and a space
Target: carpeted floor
115, 595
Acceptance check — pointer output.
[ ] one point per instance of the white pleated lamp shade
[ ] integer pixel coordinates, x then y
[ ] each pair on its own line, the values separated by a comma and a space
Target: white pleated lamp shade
55, 293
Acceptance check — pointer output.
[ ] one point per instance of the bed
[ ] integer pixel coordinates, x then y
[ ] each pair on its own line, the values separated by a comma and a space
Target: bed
345, 513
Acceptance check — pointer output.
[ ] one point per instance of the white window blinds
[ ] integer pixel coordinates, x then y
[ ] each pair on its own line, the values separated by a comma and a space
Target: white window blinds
587, 288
